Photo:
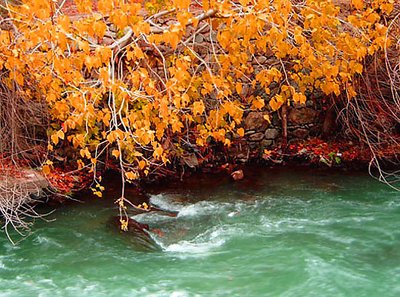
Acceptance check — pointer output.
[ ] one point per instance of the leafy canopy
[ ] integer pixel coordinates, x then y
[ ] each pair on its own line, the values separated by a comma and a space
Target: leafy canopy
134, 80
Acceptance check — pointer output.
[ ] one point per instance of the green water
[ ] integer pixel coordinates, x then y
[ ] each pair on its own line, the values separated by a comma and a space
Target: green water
277, 233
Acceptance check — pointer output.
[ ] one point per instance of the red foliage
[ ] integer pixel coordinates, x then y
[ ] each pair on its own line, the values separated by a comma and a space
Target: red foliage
65, 181
11, 168
315, 150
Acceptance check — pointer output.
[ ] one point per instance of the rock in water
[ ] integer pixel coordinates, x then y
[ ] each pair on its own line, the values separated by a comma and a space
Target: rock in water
137, 234
137, 210
237, 175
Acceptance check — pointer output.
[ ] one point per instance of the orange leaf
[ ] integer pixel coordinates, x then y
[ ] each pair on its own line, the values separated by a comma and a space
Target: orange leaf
198, 107
46, 169
357, 4
60, 134
54, 138
142, 164
240, 131
131, 175
115, 153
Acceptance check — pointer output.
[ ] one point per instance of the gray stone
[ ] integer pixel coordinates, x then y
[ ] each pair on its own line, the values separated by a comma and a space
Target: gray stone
199, 38
276, 121
261, 60
254, 146
266, 143
300, 133
210, 37
271, 133
205, 30
107, 41
255, 121
270, 54
242, 157
256, 136
310, 103
246, 90
190, 160
302, 116
249, 132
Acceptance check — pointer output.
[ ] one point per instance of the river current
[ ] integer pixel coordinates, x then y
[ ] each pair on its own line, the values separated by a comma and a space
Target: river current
279, 232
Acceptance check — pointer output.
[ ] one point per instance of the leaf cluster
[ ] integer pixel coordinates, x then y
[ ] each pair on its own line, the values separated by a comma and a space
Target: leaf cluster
132, 81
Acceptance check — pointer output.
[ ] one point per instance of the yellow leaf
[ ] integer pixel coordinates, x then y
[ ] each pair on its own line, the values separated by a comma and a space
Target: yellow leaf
182, 4
299, 98
387, 7
115, 153
80, 164
198, 108
275, 104
83, 45
54, 138
85, 153
46, 169
357, 4
124, 224
158, 152
240, 131
98, 193
111, 137
142, 164
131, 175
99, 28
195, 22
64, 22
258, 103
239, 88
60, 134
84, 6
173, 39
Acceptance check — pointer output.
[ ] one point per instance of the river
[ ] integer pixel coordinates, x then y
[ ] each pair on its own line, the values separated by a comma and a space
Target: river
279, 232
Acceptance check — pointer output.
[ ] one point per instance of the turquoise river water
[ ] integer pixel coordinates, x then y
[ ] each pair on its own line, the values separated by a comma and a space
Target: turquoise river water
277, 233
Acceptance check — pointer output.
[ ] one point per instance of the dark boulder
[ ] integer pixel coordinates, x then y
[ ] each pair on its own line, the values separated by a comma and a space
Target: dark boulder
137, 234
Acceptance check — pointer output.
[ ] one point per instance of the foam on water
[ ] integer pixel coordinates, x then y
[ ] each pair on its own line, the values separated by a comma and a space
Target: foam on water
199, 245
152, 217
2, 265
200, 208
165, 293
46, 241
214, 225
270, 241
194, 248
204, 207
165, 202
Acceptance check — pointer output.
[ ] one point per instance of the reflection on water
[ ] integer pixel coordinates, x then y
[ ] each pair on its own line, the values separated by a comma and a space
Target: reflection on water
277, 233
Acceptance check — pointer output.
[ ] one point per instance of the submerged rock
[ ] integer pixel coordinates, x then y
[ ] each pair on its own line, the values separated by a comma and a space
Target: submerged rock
238, 174
151, 208
137, 233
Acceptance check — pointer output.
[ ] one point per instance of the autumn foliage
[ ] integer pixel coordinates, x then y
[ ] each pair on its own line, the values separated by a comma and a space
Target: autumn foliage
127, 80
